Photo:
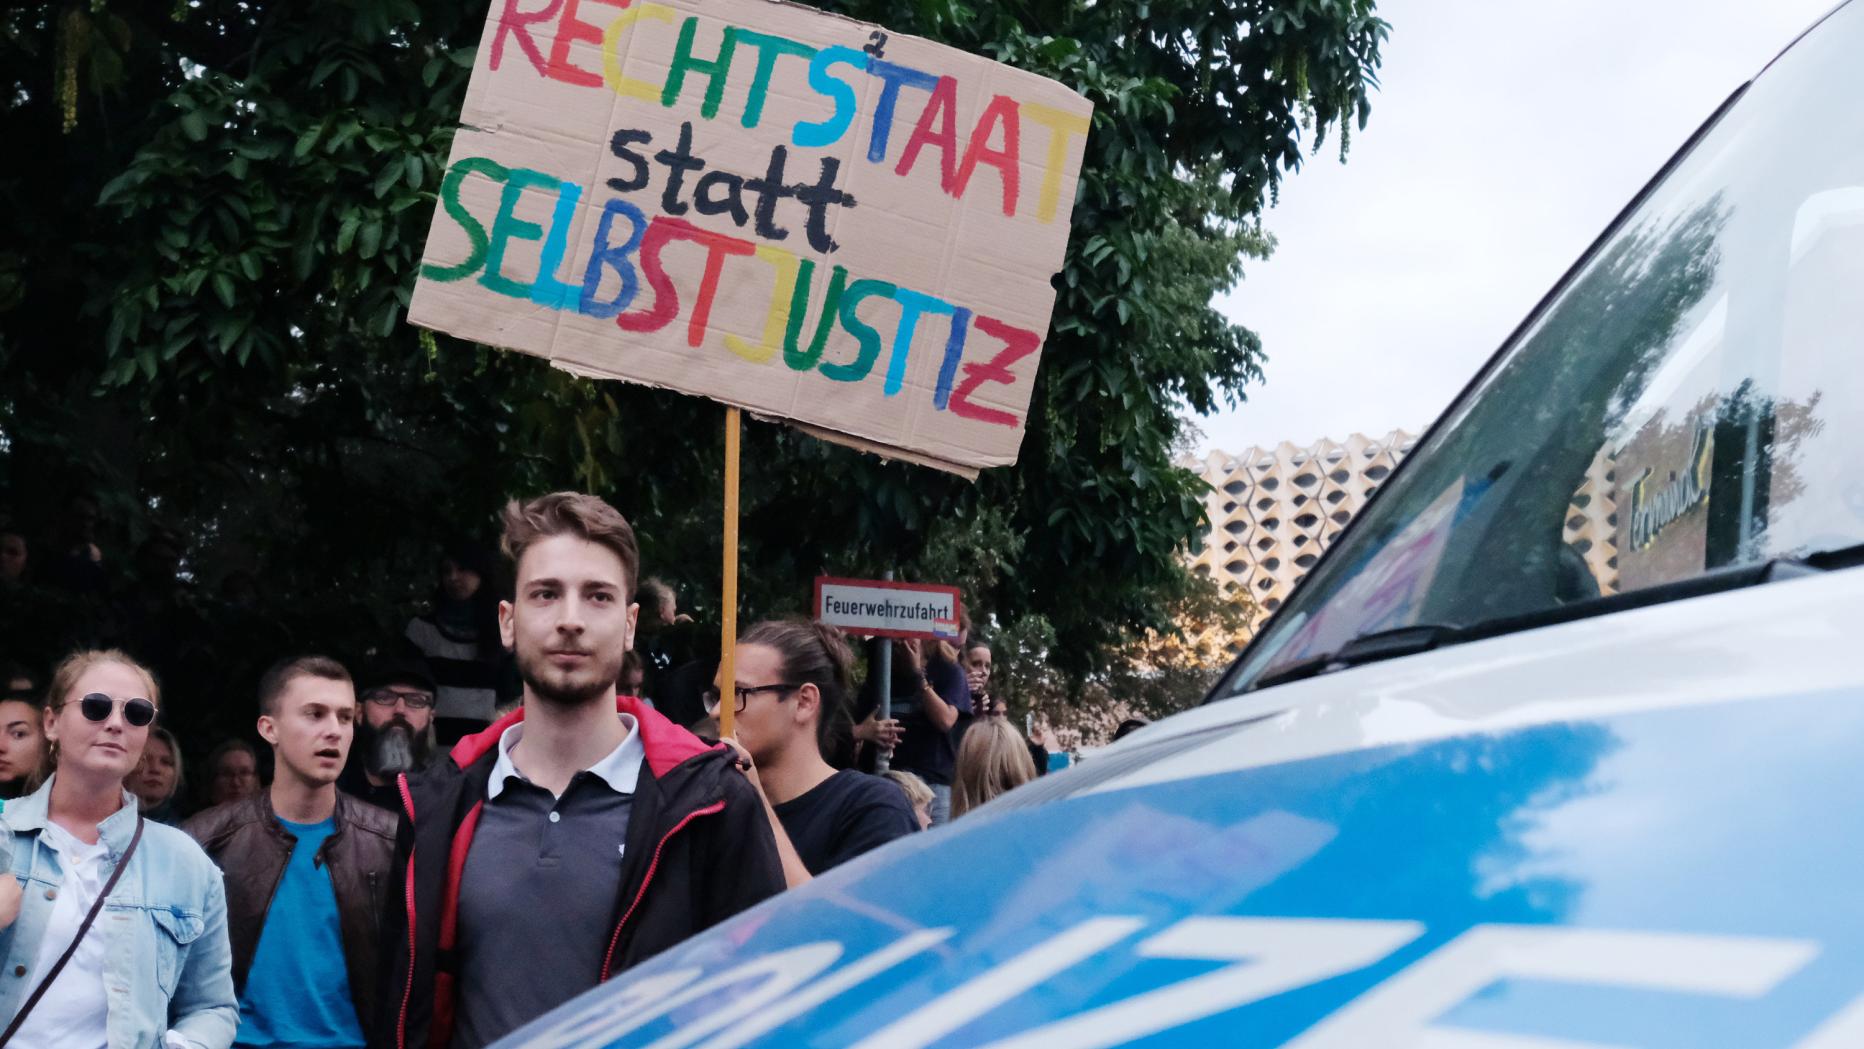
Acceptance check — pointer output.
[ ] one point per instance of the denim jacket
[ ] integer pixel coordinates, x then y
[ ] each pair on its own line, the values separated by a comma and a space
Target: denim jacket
165, 925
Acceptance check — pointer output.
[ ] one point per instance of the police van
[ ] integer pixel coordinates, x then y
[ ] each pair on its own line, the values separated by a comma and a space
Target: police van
1560, 746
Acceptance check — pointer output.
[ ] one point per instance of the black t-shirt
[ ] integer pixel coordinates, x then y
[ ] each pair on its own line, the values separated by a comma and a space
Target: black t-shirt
354, 781
925, 750
844, 816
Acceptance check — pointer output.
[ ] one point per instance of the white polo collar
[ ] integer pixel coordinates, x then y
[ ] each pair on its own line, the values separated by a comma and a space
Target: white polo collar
621, 769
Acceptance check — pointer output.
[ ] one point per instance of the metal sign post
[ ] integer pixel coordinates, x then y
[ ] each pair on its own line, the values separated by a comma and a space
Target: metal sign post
883, 673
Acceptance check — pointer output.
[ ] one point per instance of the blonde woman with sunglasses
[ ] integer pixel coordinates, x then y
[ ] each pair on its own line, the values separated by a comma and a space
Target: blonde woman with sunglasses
121, 935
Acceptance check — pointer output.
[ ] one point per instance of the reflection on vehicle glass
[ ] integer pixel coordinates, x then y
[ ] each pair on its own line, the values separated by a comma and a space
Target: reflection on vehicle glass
1689, 401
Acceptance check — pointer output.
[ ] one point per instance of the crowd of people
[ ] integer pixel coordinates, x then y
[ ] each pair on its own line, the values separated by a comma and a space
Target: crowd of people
538, 777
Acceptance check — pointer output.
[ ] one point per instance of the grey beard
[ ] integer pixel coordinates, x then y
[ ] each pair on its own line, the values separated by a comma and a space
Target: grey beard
393, 752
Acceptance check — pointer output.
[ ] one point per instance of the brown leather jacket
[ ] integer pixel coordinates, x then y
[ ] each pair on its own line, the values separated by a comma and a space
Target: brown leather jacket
251, 848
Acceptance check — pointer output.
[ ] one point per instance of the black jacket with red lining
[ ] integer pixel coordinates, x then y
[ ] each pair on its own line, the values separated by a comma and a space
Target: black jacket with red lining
699, 851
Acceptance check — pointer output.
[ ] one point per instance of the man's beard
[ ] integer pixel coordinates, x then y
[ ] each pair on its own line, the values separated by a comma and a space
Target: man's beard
394, 748
568, 689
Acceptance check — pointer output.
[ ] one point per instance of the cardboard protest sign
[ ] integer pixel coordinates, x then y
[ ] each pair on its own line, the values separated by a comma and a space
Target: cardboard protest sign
884, 608
799, 214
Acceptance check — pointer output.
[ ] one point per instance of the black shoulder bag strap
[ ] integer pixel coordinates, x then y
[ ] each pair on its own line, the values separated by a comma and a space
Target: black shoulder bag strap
96, 908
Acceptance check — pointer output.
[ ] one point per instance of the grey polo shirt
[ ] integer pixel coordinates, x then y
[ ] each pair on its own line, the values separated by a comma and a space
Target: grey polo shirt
537, 897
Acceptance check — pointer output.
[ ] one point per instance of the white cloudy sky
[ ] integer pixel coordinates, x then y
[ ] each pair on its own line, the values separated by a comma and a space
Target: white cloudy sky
1505, 136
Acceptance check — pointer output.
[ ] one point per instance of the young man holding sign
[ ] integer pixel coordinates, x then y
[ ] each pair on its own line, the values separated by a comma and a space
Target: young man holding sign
575, 837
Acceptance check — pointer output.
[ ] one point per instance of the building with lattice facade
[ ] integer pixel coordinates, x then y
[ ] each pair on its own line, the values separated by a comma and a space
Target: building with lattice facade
1591, 527
1271, 511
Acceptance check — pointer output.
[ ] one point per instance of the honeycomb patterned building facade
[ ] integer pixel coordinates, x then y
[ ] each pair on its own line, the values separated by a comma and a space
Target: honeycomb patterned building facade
1591, 527
1271, 511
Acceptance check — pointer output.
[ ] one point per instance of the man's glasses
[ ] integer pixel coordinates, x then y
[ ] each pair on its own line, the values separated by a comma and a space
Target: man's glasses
97, 707
388, 697
744, 693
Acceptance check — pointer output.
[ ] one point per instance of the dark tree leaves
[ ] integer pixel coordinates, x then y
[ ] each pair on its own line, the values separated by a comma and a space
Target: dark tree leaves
203, 282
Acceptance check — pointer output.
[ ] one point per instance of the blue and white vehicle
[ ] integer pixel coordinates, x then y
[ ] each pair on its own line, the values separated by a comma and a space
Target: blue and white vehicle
1561, 746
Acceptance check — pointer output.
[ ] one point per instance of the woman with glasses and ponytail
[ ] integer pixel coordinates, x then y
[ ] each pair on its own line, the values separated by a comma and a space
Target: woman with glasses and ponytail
791, 703
121, 934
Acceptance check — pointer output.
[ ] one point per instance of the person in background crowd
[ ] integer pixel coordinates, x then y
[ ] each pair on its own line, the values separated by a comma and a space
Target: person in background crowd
157, 780
929, 696
162, 932
306, 870
941, 663
459, 638
22, 735
22, 760
79, 568
232, 772
918, 795
633, 675
947, 651
156, 568
680, 693
565, 843
395, 732
977, 676
1060, 757
1129, 726
664, 640
16, 680
977, 667
991, 761
791, 698
12, 559
660, 605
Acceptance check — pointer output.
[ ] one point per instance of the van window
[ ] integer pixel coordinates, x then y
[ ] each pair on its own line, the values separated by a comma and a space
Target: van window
1693, 398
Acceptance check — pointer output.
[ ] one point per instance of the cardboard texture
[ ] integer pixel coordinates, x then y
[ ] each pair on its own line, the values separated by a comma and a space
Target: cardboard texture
756, 202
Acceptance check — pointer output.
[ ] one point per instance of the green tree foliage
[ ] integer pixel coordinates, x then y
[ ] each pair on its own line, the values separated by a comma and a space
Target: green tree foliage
215, 213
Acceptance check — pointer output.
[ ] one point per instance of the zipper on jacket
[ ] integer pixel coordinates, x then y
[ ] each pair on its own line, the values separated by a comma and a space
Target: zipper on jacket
654, 865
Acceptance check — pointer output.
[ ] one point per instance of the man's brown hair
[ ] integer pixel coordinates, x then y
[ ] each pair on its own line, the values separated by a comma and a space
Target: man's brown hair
281, 674
572, 513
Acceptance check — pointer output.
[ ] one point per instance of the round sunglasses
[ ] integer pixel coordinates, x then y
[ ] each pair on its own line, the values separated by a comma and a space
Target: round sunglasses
97, 707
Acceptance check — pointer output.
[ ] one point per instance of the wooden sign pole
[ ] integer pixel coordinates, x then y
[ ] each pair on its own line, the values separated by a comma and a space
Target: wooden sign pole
728, 640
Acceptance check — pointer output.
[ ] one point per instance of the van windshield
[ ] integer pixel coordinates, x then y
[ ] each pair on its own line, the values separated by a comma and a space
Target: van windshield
1691, 400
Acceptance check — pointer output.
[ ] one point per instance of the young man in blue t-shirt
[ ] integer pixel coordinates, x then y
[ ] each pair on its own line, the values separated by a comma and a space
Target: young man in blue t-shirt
306, 870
